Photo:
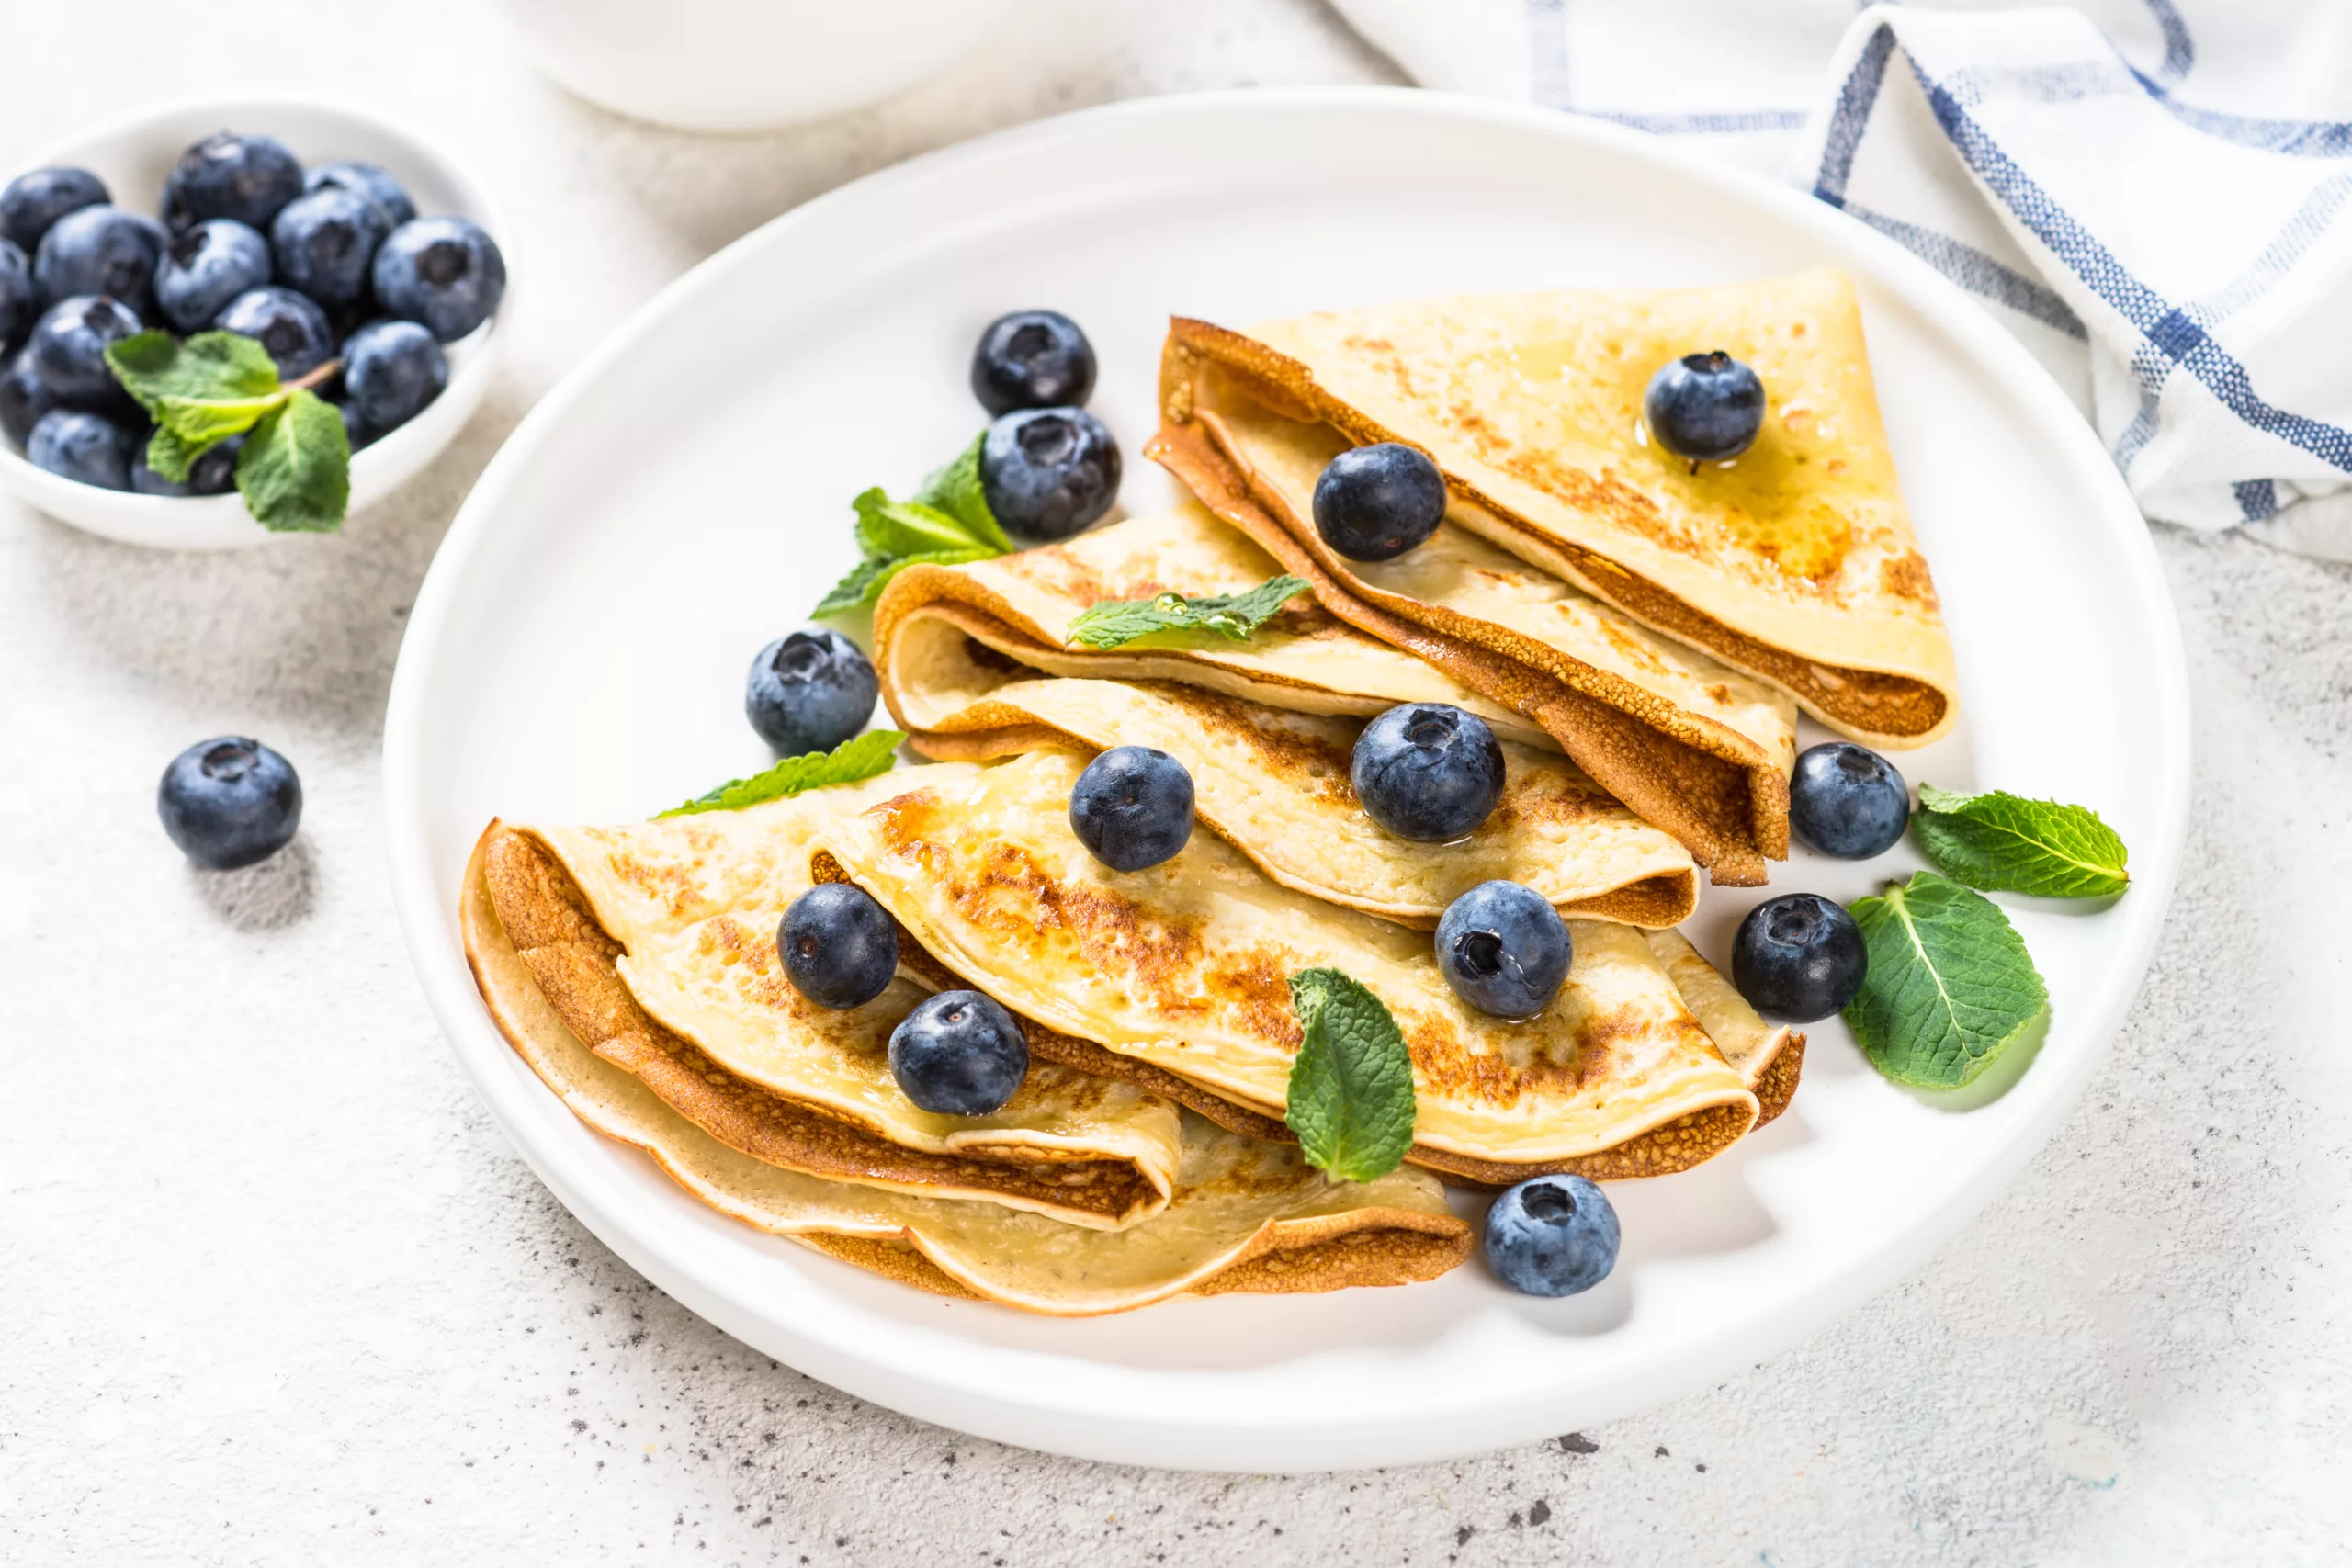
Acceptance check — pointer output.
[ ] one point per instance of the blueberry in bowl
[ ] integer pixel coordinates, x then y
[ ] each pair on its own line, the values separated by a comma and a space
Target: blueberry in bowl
809, 692
840, 949
229, 802
89, 448
24, 397
1847, 801
1428, 771
1504, 949
1133, 807
444, 272
391, 371
249, 179
1705, 407
323, 244
290, 327
212, 473
101, 250
1048, 473
1031, 359
205, 267
959, 1054
36, 200
1552, 1236
1798, 958
1373, 503
367, 180
68, 349
20, 297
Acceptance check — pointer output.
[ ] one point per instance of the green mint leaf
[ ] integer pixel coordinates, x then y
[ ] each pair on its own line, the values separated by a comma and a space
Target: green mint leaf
865, 580
1352, 1084
886, 529
956, 491
860, 757
212, 386
1949, 986
170, 455
2003, 842
1112, 622
295, 472
947, 522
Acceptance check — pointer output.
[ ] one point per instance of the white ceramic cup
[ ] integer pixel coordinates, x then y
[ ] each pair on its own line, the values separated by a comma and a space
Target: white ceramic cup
746, 64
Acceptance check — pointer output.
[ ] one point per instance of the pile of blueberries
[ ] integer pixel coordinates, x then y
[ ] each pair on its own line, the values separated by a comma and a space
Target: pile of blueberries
326, 267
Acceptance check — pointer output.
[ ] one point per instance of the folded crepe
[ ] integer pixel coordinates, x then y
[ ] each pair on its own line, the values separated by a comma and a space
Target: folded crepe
1795, 562
1183, 971
655, 944
1243, 1215
1273, 781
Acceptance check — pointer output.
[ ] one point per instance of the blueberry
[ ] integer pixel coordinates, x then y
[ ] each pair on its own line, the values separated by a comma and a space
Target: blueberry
23, 398
1504, 949
1031, 359
89, 448
959, 1054
101, 250
248, 178
1798, 957
809, 692
19, 295
355, 433
444, 272
390, 371
1705, 407
1847, 801
1552, 1236
1131, 808
1428, 771
214, 473
230, 802
69, 349
1047, 473
32, 202
290, 326
839, 948
206, 265
323, 244
366, 180
1376, 503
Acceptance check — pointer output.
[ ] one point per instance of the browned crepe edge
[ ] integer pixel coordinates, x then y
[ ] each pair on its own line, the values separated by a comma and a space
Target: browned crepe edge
1370, 1246
1868, 702
572, 959
1776, 1083
1714, 790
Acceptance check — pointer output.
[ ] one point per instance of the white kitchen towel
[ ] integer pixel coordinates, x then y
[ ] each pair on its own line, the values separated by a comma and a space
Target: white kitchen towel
2152, 195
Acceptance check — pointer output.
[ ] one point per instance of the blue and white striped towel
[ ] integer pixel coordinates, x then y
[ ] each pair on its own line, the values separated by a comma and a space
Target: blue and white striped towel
2147, 192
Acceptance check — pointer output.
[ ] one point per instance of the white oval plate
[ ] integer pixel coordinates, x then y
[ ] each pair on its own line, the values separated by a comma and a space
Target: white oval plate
578, 652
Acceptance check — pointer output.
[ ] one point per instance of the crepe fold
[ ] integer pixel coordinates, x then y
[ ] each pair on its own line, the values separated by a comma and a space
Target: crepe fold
1795, 562
1242, 1215
655, 942
1183, 970
955, 648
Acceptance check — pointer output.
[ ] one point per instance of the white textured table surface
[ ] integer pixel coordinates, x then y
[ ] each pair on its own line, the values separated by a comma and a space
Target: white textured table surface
272, 1290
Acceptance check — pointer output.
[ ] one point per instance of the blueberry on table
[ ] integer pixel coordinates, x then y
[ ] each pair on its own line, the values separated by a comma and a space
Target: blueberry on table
228, 803
1847, 801
809, 692
1552, 1236
101, 250
390, 371
68, 349
89, 448
31, 202
24, 397
1031, 359
1504, 949
1798, 957
207, 266
444, 272
324, 242
1047, 473
839, 948
1376, 503
1705, 407
959, 1054
1133, 807
1428, 771
248, 178
20, 297
291, 328
364, 180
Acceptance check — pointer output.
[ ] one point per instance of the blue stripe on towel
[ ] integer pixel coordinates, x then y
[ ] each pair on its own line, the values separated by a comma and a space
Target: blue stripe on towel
1978, 273
2257, 499
1851, 117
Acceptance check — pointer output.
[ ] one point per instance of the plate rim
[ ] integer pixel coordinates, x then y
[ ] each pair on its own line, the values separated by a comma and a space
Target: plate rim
1165, 1438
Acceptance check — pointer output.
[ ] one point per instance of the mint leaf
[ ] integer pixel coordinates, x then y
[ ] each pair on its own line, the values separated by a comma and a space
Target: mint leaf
947, 521
295, 472
170, 456
1116, 621
864, 581
2005, 842
956, 489
211, 386
860, 757
887, 528
1352, 1085
1949, 986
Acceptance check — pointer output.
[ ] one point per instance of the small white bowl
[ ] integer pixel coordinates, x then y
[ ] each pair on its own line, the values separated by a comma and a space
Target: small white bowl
133, 156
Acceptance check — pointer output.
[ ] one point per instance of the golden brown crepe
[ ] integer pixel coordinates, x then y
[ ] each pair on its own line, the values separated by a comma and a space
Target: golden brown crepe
1185, 968
656, 943
1244, 1215
1273, 782
1795, 562
1768, 1056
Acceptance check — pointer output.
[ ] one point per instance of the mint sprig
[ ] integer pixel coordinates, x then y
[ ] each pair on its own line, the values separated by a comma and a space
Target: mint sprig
1949, 986
2003, 842
860, 757
946, 522
1350, 1096
1112, 622
294, 468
